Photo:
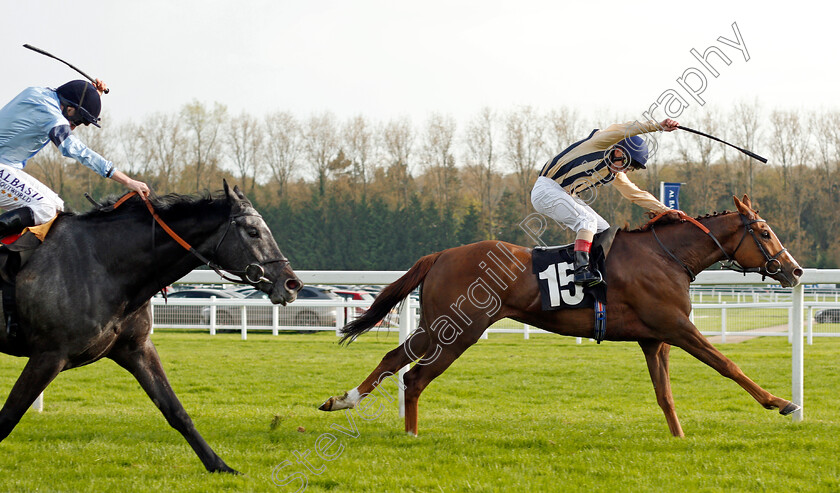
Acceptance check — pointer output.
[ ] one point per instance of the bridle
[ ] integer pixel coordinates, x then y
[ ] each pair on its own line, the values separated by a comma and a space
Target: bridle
770, 261
252, 274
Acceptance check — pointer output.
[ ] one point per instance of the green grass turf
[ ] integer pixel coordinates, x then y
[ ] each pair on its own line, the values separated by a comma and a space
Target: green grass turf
544, 414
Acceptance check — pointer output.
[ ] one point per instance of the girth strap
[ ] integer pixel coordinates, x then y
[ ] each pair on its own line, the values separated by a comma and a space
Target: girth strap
600, 321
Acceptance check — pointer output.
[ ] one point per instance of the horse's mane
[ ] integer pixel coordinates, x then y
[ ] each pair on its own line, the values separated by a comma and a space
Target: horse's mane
665, 220
163, 204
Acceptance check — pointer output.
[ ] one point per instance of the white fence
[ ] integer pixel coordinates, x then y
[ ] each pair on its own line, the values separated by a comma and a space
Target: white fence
793, 326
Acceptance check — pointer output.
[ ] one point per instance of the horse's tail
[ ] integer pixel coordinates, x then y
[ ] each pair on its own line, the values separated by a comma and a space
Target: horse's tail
392, 295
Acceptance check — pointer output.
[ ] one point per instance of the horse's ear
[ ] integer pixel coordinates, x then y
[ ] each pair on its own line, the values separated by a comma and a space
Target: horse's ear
238, 192
747, 202
230, 196
742, 207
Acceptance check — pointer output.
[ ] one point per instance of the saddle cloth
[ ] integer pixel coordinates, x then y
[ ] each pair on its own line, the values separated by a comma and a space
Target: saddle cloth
554, 268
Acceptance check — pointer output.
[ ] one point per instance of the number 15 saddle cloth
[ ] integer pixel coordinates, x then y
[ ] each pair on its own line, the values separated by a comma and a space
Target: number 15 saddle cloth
554, 268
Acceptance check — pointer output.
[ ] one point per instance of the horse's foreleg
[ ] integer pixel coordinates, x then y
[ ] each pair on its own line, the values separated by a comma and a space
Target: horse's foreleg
691, 340
144, 363
413, 347
39, 371
656, 354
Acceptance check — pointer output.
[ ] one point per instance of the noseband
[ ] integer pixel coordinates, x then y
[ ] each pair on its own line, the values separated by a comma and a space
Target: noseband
730, 262
252, 274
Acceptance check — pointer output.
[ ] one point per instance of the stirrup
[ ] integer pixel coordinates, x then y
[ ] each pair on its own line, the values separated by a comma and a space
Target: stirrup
596, 278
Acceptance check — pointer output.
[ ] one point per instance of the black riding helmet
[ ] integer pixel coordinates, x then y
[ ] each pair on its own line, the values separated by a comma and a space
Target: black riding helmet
83, 96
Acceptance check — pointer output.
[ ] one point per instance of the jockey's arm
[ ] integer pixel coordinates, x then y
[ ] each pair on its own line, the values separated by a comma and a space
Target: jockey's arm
71, 146
130, 183
634, 194
619, 131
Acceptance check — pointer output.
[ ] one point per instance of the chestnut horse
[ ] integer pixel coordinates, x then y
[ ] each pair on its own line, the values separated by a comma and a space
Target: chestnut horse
648, 271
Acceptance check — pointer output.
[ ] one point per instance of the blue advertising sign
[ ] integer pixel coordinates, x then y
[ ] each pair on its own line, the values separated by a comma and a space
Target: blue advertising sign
671, 194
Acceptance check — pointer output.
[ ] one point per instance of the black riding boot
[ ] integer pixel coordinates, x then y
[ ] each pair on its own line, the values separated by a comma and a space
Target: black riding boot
583, 276
15, 220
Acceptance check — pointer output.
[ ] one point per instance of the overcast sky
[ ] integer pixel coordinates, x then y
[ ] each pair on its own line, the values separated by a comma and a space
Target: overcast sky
384, 59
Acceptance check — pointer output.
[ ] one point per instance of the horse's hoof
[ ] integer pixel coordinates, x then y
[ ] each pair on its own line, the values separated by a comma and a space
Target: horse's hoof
226, 469
790, 408
327, 406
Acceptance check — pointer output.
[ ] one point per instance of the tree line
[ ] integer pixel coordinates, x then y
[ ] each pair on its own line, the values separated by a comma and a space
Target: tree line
364, 194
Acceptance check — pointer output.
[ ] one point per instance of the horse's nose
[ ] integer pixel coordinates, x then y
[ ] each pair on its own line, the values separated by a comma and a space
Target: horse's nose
798, 272
293, 285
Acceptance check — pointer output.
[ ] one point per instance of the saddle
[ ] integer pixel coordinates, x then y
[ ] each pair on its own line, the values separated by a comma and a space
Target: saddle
15, 251
554, 268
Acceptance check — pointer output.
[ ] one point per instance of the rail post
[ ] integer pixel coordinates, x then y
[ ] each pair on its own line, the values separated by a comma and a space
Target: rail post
406, 323
797, 352
212, 315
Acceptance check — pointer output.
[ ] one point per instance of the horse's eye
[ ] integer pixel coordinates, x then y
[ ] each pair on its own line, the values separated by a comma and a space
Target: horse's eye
253, 232
765, 235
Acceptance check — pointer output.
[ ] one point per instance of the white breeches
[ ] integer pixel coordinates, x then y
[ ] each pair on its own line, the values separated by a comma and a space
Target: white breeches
549, 199
19, 189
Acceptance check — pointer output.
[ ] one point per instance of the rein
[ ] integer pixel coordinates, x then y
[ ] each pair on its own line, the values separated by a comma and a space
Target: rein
730, 262
253, 273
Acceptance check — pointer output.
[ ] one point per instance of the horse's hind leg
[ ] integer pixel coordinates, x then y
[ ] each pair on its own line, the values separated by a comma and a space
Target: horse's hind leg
656, 354
413, 347
143, 362
430, 367
39, 371
691, 340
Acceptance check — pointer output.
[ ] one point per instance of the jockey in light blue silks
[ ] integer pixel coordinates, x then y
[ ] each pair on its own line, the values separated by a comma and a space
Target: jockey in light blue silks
30, 120
600, 159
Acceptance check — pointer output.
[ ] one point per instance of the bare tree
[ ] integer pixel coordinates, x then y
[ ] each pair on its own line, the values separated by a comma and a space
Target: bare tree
397, 144
698, 154
321, 145
243, 141
283, 146
165, 139
359, 147
564, 127
134, 153
524, 143
437, 155
747, 121
791, 148
482, 163
203, 131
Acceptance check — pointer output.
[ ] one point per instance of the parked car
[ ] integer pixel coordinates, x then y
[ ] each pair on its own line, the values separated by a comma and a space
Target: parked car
294, 314
349, 294
827, 316
197, 314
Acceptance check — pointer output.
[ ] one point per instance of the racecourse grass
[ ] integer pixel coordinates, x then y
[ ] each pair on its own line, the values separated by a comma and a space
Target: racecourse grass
543, 414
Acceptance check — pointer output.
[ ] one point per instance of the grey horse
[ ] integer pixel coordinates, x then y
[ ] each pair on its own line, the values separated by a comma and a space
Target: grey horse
85, 293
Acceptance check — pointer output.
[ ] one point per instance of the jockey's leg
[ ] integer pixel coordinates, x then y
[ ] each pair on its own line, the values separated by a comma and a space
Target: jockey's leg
550, 199
14, 221
589, 223
583, 243
26, 201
